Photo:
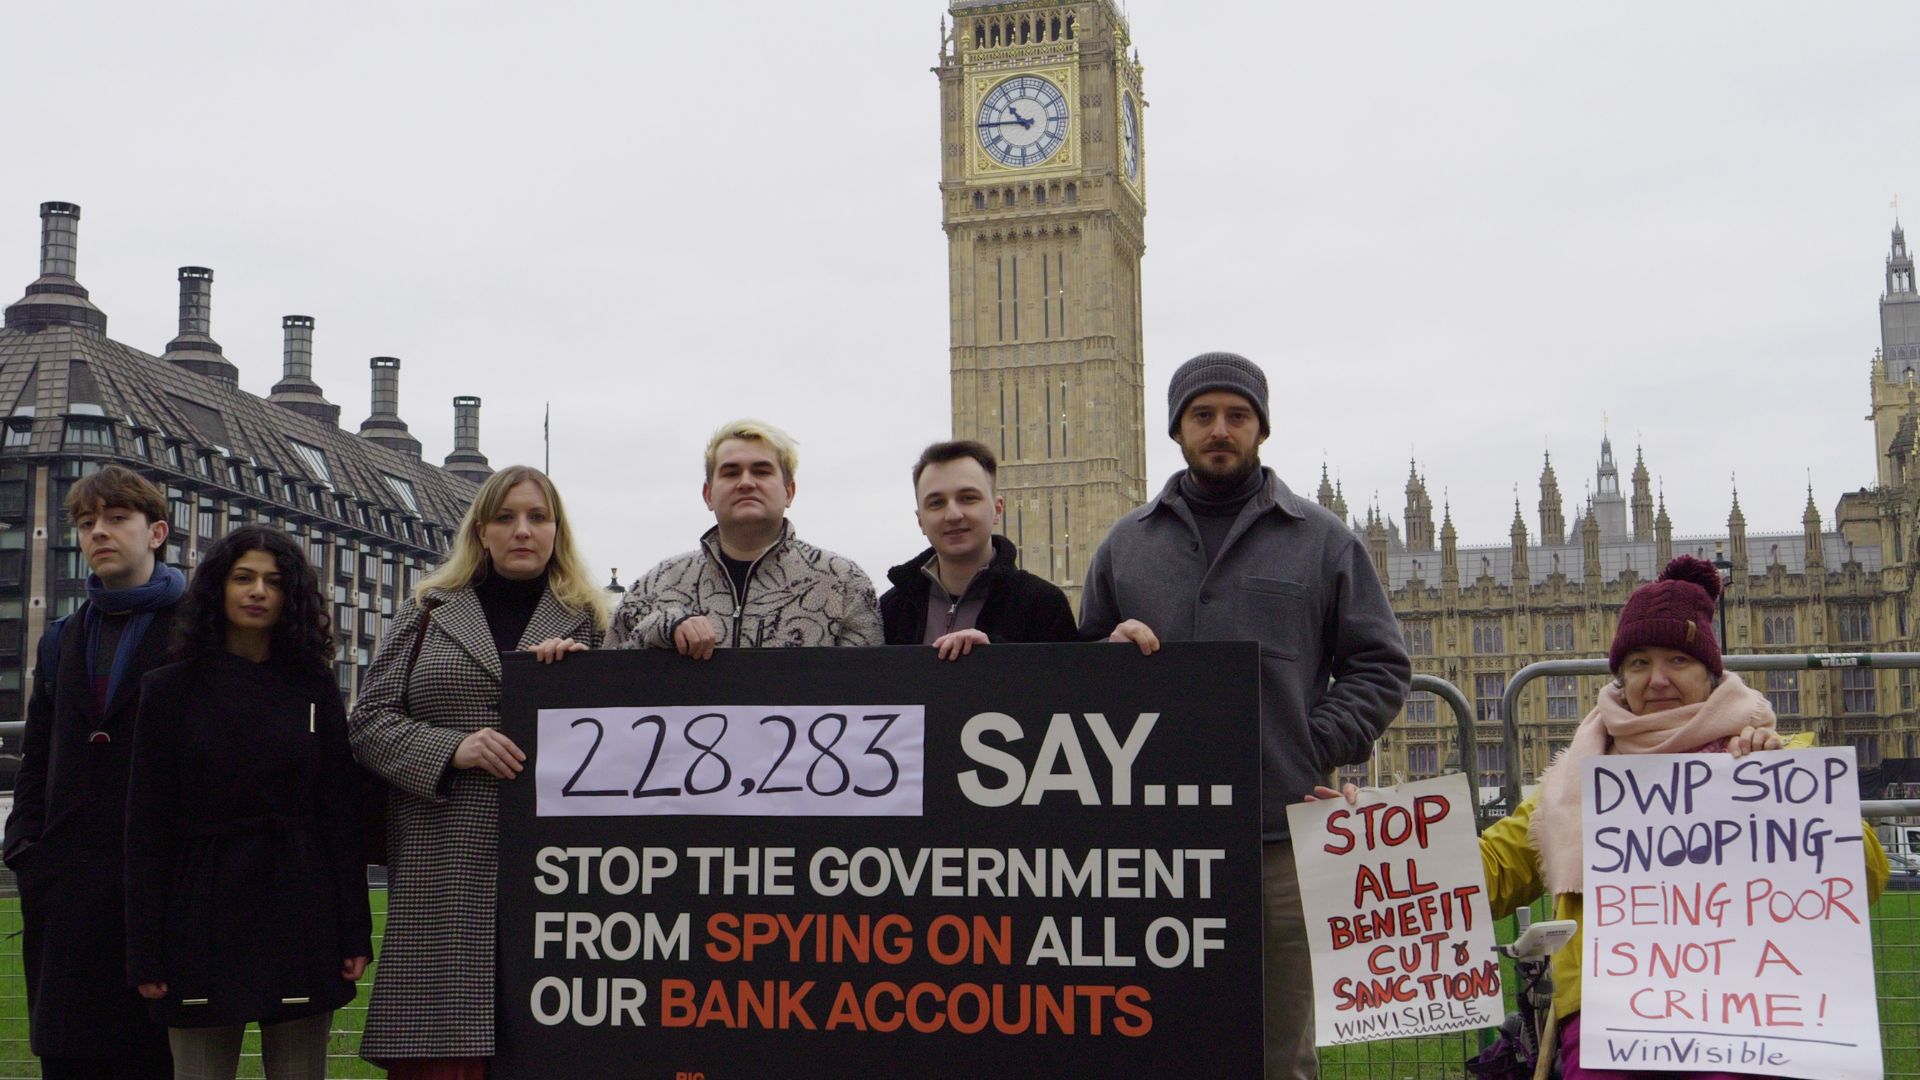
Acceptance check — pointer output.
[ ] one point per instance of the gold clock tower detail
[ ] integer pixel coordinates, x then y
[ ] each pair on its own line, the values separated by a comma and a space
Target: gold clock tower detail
1043, 189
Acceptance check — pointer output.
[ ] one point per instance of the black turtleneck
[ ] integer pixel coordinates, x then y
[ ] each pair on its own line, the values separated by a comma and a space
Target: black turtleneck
509, 606
1214, 511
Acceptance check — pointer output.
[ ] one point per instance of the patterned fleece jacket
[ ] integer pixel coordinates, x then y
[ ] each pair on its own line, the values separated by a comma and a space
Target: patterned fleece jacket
796, 595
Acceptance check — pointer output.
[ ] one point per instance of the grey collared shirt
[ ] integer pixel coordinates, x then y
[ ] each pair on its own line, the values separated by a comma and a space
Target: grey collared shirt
946, 612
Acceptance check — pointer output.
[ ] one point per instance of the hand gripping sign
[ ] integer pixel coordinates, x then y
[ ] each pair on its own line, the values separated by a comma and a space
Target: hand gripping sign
1396, 908
1725, 923
1039, 860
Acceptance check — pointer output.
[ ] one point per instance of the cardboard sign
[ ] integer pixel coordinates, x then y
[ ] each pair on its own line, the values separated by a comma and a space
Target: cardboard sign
1725, 923
1397, 916
1038, 860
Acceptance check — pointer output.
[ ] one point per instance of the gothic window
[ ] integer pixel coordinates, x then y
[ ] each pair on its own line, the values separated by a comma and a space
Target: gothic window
1563, 697
979, 200
1489, 637
1776, 628
1026, 31
1422, 707
1069, 28
1866, 748
996, 35
1558, 634
1783, 692
1857, 690
1000, 310
1418, 635
1493, 764
979, 35
1488, 687
1855, 622
1073, 194
1423, 762
1053, 29
1063, 418
1040, 196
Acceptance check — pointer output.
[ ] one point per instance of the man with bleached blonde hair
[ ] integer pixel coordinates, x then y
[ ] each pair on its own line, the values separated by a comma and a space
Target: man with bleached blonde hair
751, 584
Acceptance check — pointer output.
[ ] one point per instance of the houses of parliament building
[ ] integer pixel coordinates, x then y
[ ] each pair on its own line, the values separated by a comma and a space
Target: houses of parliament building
1044, 146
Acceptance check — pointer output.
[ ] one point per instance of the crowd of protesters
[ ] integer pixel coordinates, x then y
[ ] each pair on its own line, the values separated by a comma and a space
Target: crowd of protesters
186, 828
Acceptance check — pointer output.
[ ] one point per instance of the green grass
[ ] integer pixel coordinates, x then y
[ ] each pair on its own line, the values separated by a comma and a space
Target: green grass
1896, 949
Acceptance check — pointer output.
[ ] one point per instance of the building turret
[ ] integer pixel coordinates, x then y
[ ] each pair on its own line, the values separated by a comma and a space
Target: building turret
1642, 499
1816, 558
1449, 549
55, 298
1553, 527
1419, 511
1737, 536
1662, 535
1522, 576
1590, 542
1325, 495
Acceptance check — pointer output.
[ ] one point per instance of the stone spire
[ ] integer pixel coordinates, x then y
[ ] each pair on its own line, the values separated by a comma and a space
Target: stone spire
1419, 511
1522, 576
1590, 541
1339, 506
1325, 495
1553, 527
1377, 542
1816, 558
55, 298
1737, 534
1449, 562
1662, 535
1642, 498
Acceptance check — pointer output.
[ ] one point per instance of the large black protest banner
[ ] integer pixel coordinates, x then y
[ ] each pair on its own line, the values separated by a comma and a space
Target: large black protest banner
1039, 860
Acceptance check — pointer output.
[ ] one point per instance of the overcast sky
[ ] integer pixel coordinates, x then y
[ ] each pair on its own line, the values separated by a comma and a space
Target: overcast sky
1461, 233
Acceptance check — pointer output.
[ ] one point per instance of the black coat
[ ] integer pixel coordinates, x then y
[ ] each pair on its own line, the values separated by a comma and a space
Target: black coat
246, 887
1019, 606
65, 844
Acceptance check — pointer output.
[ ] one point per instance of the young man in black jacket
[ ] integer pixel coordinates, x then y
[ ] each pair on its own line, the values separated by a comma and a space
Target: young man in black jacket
65, 840
967, 589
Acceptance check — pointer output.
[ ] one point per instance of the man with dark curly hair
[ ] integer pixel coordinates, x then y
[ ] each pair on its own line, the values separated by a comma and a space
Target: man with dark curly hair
65, 838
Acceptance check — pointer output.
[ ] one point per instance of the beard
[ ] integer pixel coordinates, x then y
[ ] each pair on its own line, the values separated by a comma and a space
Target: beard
1231, 476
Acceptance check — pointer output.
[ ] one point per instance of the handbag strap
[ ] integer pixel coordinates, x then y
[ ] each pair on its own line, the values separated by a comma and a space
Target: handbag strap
413, 656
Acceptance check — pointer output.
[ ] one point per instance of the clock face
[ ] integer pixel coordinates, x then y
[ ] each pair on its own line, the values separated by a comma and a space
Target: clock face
1129, 137
1023, 121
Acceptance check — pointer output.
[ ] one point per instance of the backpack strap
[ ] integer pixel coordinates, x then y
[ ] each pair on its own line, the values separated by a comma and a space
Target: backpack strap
419, 639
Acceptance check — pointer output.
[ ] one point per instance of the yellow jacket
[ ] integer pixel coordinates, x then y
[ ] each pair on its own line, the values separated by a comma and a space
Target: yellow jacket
1514, 880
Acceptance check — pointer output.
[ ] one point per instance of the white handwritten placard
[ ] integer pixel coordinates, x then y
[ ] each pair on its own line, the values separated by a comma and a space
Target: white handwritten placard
732, 760
1397, 916
1725, 923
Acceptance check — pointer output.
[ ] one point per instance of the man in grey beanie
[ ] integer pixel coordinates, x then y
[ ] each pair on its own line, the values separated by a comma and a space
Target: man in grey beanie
1227, 552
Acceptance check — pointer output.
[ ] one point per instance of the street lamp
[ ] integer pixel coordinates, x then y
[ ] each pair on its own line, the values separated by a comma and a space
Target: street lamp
1725, 569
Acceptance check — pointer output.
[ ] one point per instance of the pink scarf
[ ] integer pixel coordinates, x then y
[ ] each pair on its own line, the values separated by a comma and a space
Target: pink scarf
1612, 729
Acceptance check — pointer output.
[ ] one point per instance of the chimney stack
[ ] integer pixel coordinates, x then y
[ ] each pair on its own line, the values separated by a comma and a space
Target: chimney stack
385, 426
194, 347
296, 389
56, 298
467, 461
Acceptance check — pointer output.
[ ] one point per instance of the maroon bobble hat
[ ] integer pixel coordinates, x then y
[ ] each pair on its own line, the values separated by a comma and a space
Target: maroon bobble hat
1675, 612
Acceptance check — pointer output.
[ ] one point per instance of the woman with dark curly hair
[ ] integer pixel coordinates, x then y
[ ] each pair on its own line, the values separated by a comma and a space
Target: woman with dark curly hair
246, 889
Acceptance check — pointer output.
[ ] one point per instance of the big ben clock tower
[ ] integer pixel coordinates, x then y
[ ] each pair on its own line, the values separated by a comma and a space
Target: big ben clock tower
1043, 185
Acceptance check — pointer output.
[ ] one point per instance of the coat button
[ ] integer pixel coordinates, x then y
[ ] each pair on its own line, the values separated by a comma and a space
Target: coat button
1205, 599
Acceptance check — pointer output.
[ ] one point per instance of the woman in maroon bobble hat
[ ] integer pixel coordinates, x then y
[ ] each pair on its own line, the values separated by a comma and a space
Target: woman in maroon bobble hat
1669, 695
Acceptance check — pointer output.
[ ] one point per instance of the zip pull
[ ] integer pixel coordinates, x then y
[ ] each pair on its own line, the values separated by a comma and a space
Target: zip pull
311, 707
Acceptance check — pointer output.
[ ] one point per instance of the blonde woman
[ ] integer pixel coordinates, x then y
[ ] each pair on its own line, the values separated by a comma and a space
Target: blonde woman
426, 723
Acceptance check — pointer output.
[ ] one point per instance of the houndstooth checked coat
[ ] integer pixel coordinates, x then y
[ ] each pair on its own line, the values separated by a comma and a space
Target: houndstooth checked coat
433, 988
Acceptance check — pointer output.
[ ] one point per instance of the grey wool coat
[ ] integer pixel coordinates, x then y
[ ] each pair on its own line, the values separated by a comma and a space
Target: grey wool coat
433, 988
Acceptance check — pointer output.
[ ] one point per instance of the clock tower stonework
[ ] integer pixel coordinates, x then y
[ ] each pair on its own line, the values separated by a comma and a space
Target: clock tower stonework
1043, 191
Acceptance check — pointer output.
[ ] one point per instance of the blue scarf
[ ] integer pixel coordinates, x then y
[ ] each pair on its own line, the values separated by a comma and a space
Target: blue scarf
164, 589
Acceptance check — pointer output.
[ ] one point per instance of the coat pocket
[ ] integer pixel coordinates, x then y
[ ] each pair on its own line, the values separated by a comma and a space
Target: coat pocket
1278, 614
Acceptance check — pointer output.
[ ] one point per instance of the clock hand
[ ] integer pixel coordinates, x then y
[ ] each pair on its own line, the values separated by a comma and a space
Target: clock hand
1004, 123
1024, 121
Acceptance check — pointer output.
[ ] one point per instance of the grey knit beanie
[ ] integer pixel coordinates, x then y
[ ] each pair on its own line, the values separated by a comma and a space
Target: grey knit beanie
1217, 371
